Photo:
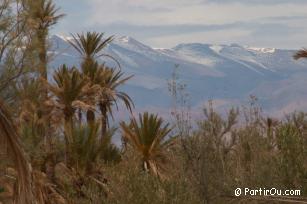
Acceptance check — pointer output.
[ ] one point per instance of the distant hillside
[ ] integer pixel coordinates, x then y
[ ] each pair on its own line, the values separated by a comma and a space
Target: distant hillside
228, 74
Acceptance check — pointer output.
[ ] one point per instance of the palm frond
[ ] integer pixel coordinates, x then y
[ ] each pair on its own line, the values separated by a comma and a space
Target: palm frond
10, 135
148, 136
43, 12
90, 44
111, 79
71, 86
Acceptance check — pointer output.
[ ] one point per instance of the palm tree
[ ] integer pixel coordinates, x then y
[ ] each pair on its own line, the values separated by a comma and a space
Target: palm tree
110, 95
89, 46
72, 91
300, 54
96, 77
34, 124
86, 148
148, 137
42, 14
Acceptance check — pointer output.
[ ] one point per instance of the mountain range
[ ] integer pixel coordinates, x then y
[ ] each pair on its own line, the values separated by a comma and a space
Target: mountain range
226, 74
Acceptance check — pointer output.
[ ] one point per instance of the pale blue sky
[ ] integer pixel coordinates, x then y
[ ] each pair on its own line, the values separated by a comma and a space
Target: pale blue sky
166, 23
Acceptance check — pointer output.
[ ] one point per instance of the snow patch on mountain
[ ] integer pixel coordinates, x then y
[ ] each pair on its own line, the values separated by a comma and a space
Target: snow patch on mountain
262, 50
228, 74
216, 48
63, 37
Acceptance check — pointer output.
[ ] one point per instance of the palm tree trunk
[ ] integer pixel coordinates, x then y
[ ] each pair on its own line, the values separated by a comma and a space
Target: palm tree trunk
42, 53
104, 121
90, 117
68, 128
42, 56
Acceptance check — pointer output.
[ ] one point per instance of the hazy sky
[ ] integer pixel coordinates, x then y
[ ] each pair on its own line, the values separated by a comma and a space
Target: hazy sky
165, 23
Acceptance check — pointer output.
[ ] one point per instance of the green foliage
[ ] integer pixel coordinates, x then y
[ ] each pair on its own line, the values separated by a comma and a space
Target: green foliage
40, 16
69, 87
33, 143
110, 153
75, 160
89, 46
72, 91
42, 13
291, 157
262, 153
86, 149
110, 81
130, 185
148, 137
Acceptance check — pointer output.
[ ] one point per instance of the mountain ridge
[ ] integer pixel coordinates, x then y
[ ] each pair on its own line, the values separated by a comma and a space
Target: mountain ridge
225, 73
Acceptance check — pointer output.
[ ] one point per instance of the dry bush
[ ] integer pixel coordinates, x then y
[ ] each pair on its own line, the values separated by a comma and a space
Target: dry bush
258, 153
128, 183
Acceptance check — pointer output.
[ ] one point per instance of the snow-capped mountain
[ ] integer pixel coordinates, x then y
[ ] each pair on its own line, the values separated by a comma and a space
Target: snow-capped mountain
227, 74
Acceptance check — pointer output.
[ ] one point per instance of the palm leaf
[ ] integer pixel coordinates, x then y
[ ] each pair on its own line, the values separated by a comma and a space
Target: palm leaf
148, 137
10, 135
89, 44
